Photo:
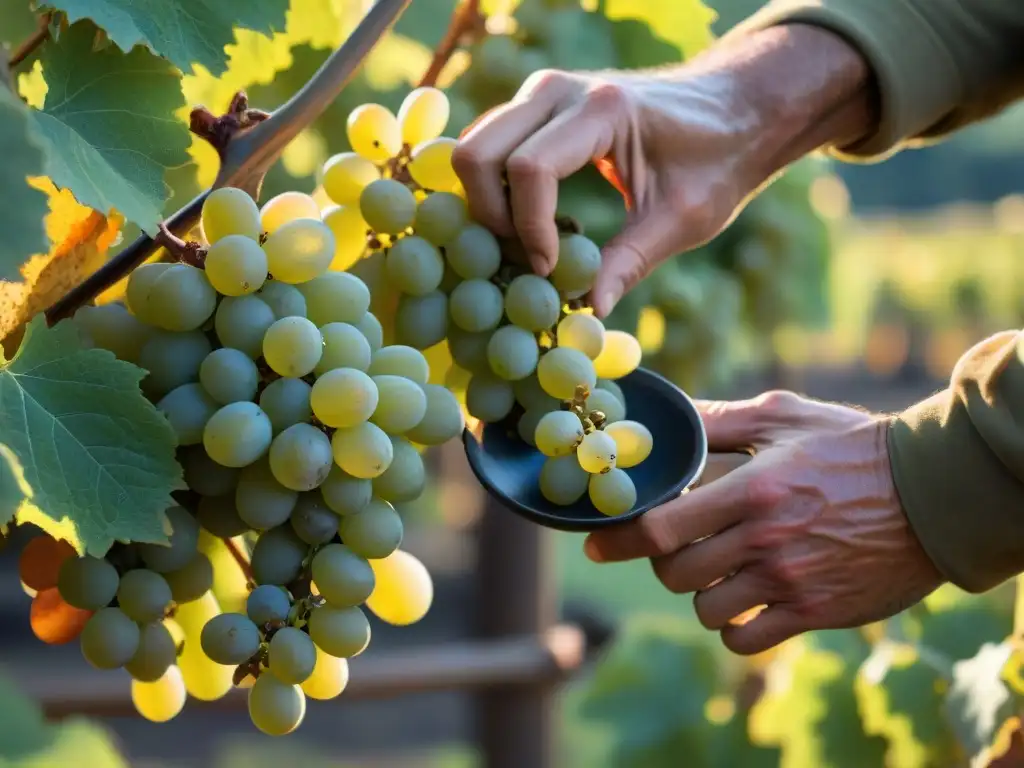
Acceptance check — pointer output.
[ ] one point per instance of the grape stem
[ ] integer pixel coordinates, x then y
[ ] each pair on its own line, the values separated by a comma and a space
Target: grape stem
189, 252
467, 18
243, 562
33, 41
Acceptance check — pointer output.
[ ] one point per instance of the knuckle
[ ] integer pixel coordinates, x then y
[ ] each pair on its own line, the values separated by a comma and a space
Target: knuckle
467, 158
525, 168
745, 643
782, 572
656, 534
777, 402
763, 492
606, 97
544, 80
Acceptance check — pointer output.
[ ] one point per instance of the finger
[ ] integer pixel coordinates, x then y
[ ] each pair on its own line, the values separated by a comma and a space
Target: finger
772, 626
717, 605
731, 425
696, 566
569, 142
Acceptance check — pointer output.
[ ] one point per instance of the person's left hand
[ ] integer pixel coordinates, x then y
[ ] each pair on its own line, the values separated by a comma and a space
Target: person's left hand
811, 527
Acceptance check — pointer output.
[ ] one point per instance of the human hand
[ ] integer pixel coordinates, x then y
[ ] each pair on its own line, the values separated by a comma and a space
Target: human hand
811, 527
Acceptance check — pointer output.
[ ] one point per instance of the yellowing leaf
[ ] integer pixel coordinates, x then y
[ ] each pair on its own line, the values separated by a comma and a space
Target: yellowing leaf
686, 24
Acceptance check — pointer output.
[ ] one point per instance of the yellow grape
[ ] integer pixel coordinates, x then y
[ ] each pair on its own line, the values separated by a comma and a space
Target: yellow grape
204, 678
582, 331
161, 700
288, 206
620, 355
349, 228
423, 115
431, 165
404, 590
329, 678
230, 211
374, 133
320, 196
345, 175
229, 587
300, 250
597, 452
633, 442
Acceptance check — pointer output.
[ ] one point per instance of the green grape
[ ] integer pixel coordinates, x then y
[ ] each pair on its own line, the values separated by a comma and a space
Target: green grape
329, 678
300, 457
219, 516
530, 394
109, 639
373, 131
474, 253
422, 321
423, 115
285, 300
531, 302
312, 520
140, 282
558, 433
604, 401
155, 654
563, 481
293, 346
238, 434
527, 424
596, 453
267, 604
579, 261
345, 175
375, 532
371, 328
431, 165
114, 328
181, 546
172, 359
344, 494
236, 265
400, 360
191, 581
341, 632
87, 583
581, 331
350, 234
439, 217
402, 404
610, 386
161, 700
468, 349
291, 655
489, 398
388, 206
450, 280
143, 595
344, 397
229, 375
187, 408
363, 451
230, 638
443, 419
343, 578
512, 353
276, 708
286, 402
285, 208
620, 355
633, 442
180, 299
497, 64
277, 557
406, 478
336, 297
344, 347
300, 250
241, 323
261, 501
414, 266
476, 305
205, 476
230, 211
562, 369
613, 493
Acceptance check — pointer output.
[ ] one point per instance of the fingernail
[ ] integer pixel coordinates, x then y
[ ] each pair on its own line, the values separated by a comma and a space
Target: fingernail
606, 303
590, 549
541, 266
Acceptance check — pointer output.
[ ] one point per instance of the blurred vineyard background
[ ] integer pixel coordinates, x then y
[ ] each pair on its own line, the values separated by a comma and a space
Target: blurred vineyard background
917, 259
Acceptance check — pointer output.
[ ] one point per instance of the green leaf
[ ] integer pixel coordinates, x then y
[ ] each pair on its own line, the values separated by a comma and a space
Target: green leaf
979, 701
23, 209
684, 24
186, 32
97, 456
110, 125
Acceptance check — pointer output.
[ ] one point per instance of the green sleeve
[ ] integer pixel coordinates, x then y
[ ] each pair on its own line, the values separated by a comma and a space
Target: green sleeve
939, 64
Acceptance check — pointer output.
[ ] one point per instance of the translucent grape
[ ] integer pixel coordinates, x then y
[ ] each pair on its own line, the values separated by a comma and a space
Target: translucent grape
329, 678
291, 655
344, 578
422, 321
276, 708
114, 328
604, 401
615, 389
192, 580
423, 115
531, 302
633, 442
431, 165
563, 481
219, 516
300, 250
443, 419
300, 457
512, 353
388, 206
400, 360
579, 261
161, 700
229, 375
414, 266
374, 132
404, 590
88, 583
558, 433
336, 297
287, 207
180, 299
345, 175
341, 632
562, 369
344, 397
373, 533
285, 300
230, 638
440, 217
469, 349
474, 253
143, 595
620, 356
597, 452
293, 346
267, 604
187, 408
241, 323
344, 494
489, 398
54, 621
613, 493
582, 331
262, 502
401, 406
476, 305
140, 282
181, 545
530, 394
204, 678
405, 479
109, 639
236, 265
155, 654
312, 520
230, 211
172, 359
237, 434
286, 402
350, 230
344, 347
363, 451
371, 328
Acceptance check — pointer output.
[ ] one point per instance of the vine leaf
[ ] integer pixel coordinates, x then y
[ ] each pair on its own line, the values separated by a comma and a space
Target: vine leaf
21, 215
979, 701
108, 120
186, 32
97, 457
685, 24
